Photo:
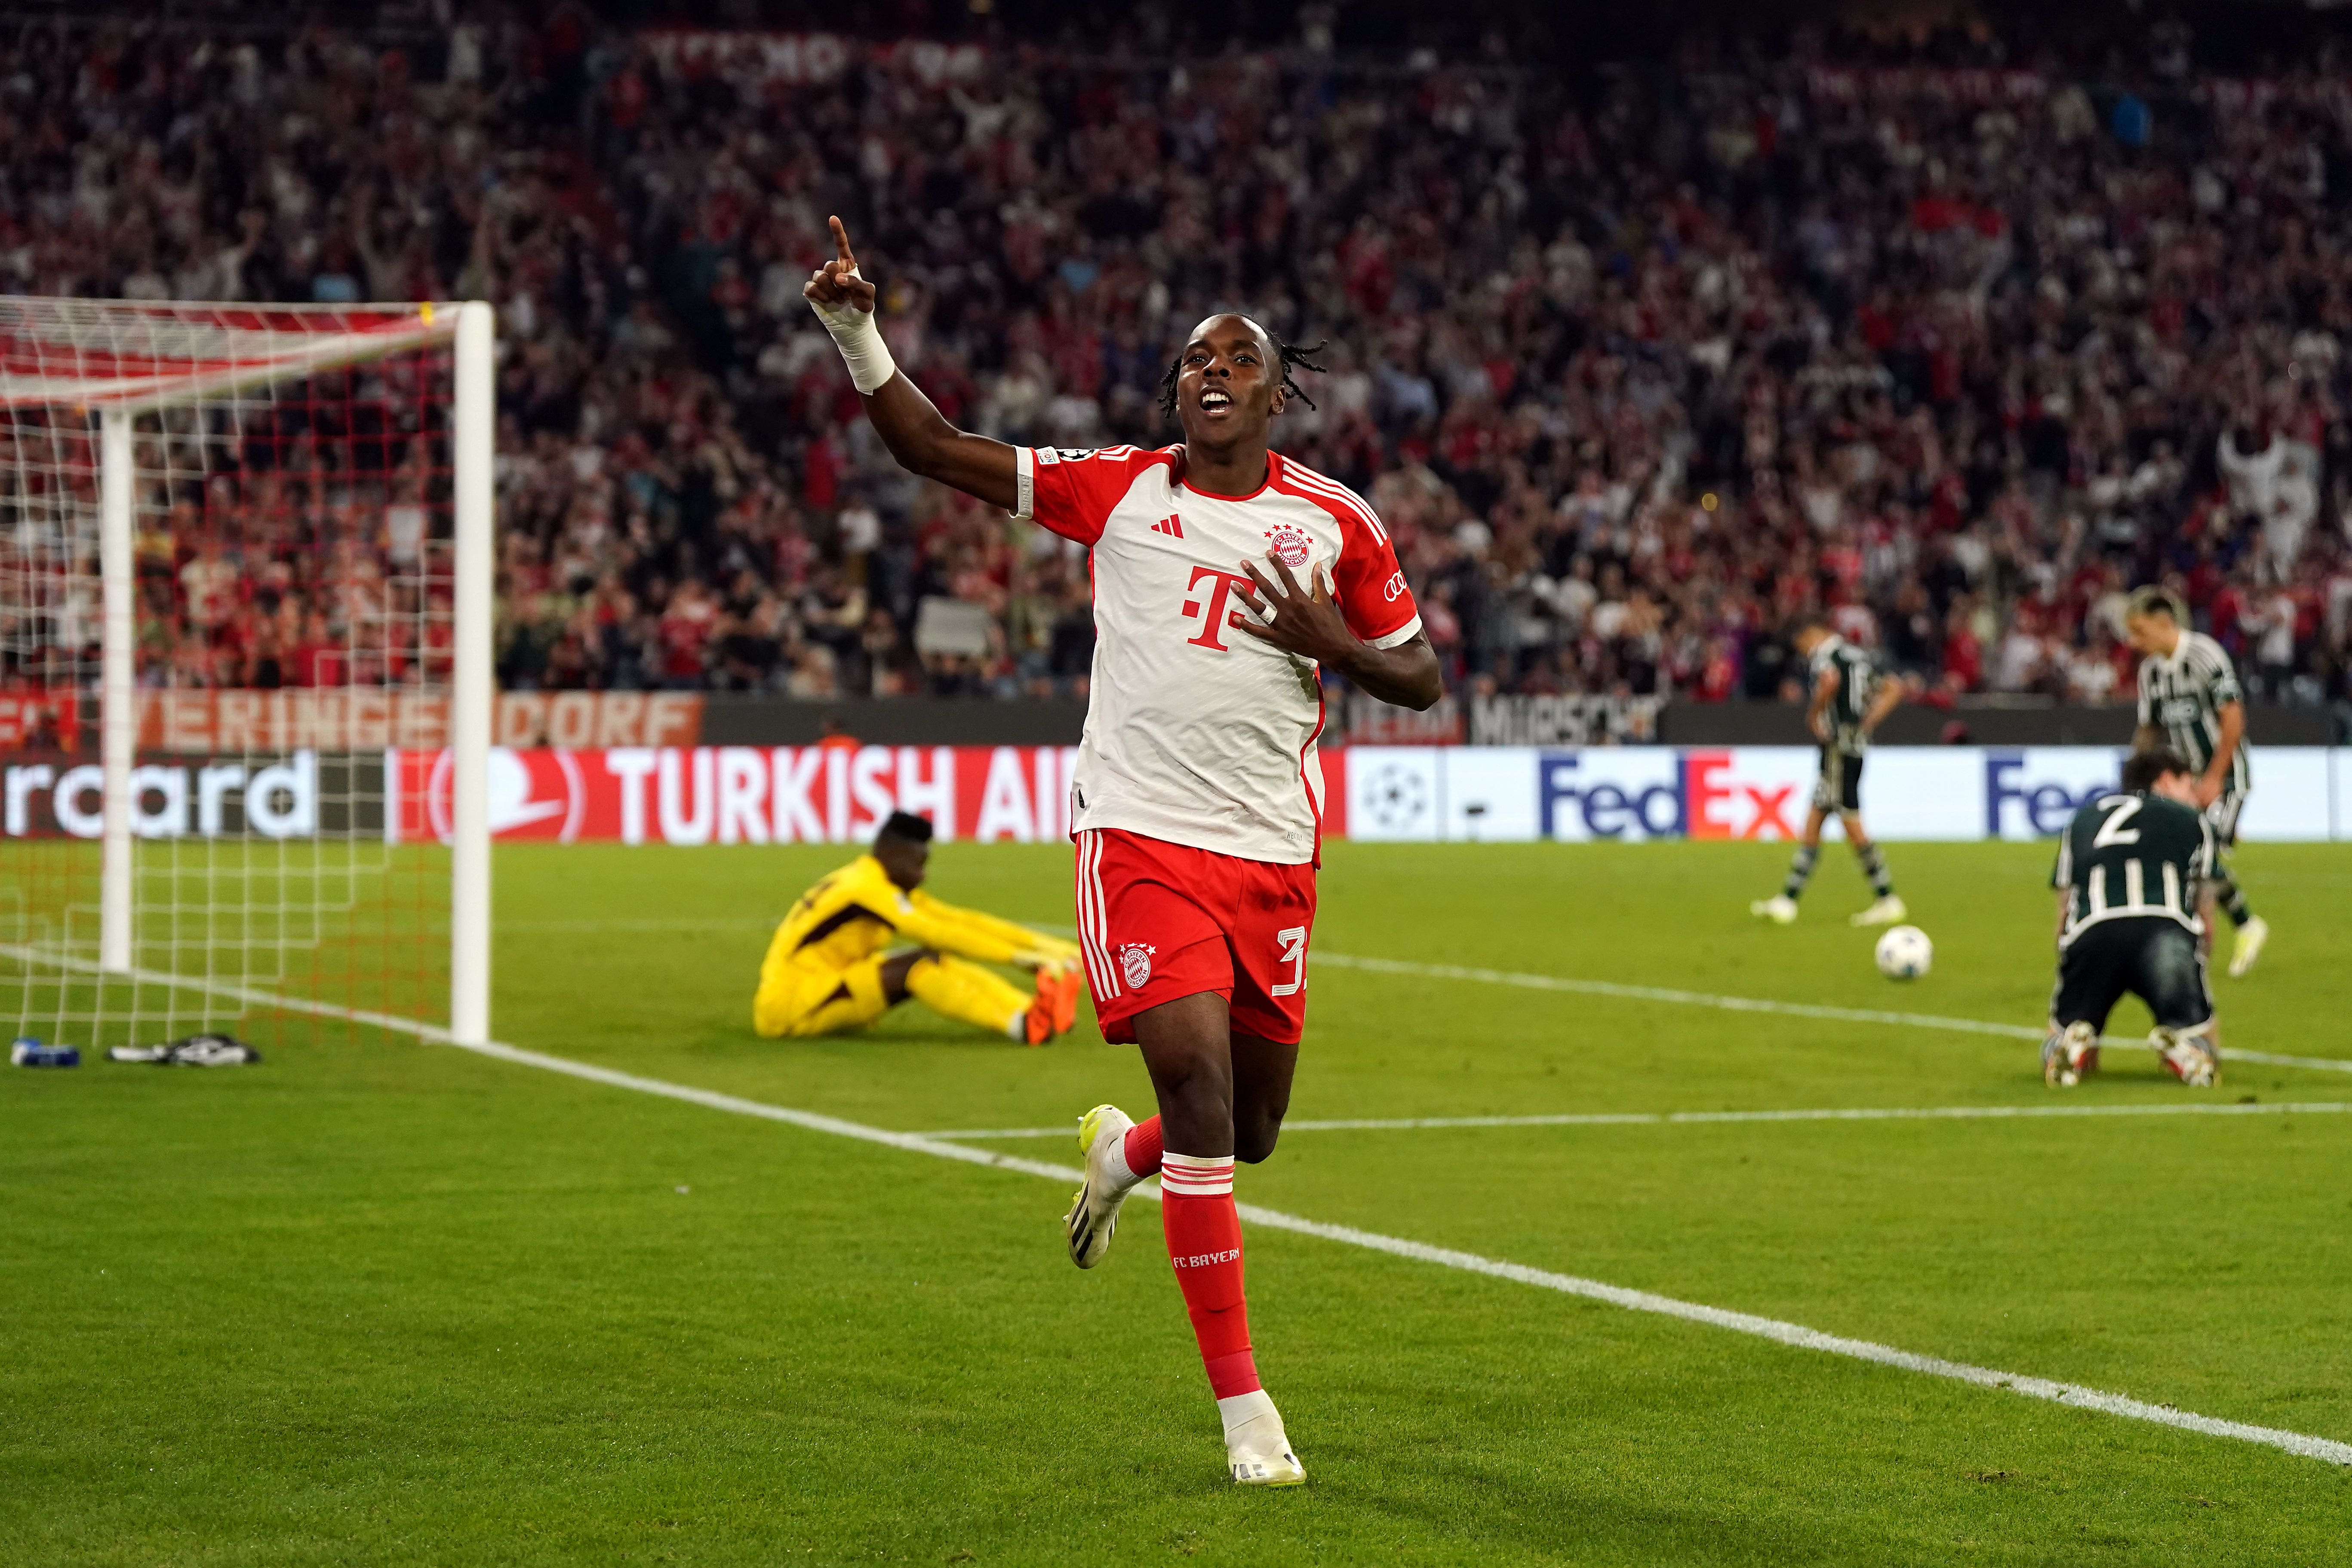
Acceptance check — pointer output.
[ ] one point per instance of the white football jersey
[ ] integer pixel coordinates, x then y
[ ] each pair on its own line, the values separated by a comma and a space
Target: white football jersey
1198, 732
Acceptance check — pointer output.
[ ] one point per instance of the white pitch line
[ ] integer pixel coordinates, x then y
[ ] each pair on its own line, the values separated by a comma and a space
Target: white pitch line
1762, 1005
1792, 1334
1540, 982
1802, 1338
1765, 1005
1795, 1335
227, 990
1671, 1118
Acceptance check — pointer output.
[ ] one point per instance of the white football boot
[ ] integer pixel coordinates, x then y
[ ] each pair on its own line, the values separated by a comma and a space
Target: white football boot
2190, 1057
2249, 947
1094, 1209
1888, 911
1256, 1448
1779, 909
2070, 1055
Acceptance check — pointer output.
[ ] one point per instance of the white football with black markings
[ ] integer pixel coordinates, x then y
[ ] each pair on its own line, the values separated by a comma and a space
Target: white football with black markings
1904, 953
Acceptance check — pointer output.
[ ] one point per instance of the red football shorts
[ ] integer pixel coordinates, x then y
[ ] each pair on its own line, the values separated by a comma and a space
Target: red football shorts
1160, 921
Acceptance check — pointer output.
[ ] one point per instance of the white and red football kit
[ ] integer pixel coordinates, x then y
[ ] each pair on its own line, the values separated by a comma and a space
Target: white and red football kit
1198, 796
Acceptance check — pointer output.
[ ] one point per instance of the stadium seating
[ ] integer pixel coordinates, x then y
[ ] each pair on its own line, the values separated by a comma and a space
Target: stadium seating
1959, 351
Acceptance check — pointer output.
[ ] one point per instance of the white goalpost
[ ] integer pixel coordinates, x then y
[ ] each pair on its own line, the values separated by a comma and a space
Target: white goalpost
247, 568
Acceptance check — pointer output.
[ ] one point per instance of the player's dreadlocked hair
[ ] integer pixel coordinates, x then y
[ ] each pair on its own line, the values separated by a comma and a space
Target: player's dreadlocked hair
1293, 358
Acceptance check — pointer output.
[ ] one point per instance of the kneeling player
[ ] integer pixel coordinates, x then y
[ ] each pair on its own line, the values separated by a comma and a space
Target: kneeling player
825, 973
2128, 872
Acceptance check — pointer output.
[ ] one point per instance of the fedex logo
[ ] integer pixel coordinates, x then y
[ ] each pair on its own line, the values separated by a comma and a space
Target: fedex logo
1580, 796
1724, 805
2033, 794
1638, 794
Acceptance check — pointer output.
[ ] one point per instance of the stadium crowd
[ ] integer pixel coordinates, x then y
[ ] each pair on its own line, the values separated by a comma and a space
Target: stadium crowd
1956, 347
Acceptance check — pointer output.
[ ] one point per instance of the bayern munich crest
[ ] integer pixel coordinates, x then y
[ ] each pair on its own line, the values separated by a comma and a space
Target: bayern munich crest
1135, 963
1291, 545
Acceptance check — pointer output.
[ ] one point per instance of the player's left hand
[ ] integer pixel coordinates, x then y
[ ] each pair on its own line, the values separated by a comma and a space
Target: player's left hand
2208, 792
1293, 619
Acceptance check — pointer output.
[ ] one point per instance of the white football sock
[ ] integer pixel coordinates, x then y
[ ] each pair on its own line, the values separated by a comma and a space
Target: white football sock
1115, 1165
1244, 1408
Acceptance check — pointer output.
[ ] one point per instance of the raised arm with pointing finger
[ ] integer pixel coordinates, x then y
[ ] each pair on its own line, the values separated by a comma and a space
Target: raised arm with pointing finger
917, 433
1227, 455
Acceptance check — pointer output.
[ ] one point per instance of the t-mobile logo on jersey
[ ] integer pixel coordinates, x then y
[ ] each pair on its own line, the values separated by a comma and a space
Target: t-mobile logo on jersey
1219, 615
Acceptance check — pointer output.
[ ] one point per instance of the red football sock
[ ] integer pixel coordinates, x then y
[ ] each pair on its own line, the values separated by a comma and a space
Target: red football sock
1142, 1150
1205, 1243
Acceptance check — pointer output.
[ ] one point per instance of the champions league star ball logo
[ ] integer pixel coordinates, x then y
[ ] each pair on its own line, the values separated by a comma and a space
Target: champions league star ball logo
1395, 797
1135, 963
1291, 546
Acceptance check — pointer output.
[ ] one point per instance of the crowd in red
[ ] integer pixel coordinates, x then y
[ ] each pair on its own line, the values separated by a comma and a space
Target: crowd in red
1955, 348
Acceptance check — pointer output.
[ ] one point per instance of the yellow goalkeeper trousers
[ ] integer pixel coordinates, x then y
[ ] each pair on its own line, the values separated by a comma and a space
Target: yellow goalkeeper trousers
971, 994
808, 1003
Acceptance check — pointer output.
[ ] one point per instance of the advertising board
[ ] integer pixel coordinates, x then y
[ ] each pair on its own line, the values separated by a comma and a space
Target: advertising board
1629, 793
837, 793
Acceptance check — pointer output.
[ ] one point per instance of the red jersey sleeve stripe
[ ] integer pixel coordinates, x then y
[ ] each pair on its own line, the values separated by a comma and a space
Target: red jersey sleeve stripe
1344, 508
1309, 479
1328, 488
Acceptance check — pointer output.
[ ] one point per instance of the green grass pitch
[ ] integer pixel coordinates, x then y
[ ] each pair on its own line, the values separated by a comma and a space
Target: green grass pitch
376, 1301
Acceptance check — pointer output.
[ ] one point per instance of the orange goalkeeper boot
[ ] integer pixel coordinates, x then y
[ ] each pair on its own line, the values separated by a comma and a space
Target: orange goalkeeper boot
1055, 1008
1064, 994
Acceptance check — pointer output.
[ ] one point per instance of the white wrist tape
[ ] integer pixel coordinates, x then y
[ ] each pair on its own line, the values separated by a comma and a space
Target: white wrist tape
860, 341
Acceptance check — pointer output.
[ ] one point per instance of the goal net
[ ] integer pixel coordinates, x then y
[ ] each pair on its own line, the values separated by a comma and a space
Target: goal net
244, 563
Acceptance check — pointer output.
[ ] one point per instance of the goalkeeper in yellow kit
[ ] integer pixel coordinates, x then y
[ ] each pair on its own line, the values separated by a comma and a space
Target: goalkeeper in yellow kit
826, 972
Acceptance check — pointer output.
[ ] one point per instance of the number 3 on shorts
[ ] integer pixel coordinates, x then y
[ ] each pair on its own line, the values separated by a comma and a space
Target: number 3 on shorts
1294, 953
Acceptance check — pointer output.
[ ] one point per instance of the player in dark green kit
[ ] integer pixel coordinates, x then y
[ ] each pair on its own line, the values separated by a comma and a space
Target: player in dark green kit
1851, 697
2189, 701
2130, 870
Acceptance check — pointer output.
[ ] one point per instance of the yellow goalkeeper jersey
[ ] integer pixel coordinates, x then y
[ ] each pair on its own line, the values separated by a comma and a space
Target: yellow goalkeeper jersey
857, 911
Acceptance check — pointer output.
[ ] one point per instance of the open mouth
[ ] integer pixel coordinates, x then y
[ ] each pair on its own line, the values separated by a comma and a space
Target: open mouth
1216, 402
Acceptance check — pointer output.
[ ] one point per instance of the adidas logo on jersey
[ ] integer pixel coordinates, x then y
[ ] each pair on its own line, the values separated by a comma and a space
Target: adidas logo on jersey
1169, 526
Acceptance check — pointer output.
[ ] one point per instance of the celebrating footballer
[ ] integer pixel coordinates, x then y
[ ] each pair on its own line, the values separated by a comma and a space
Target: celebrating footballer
1227, 581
